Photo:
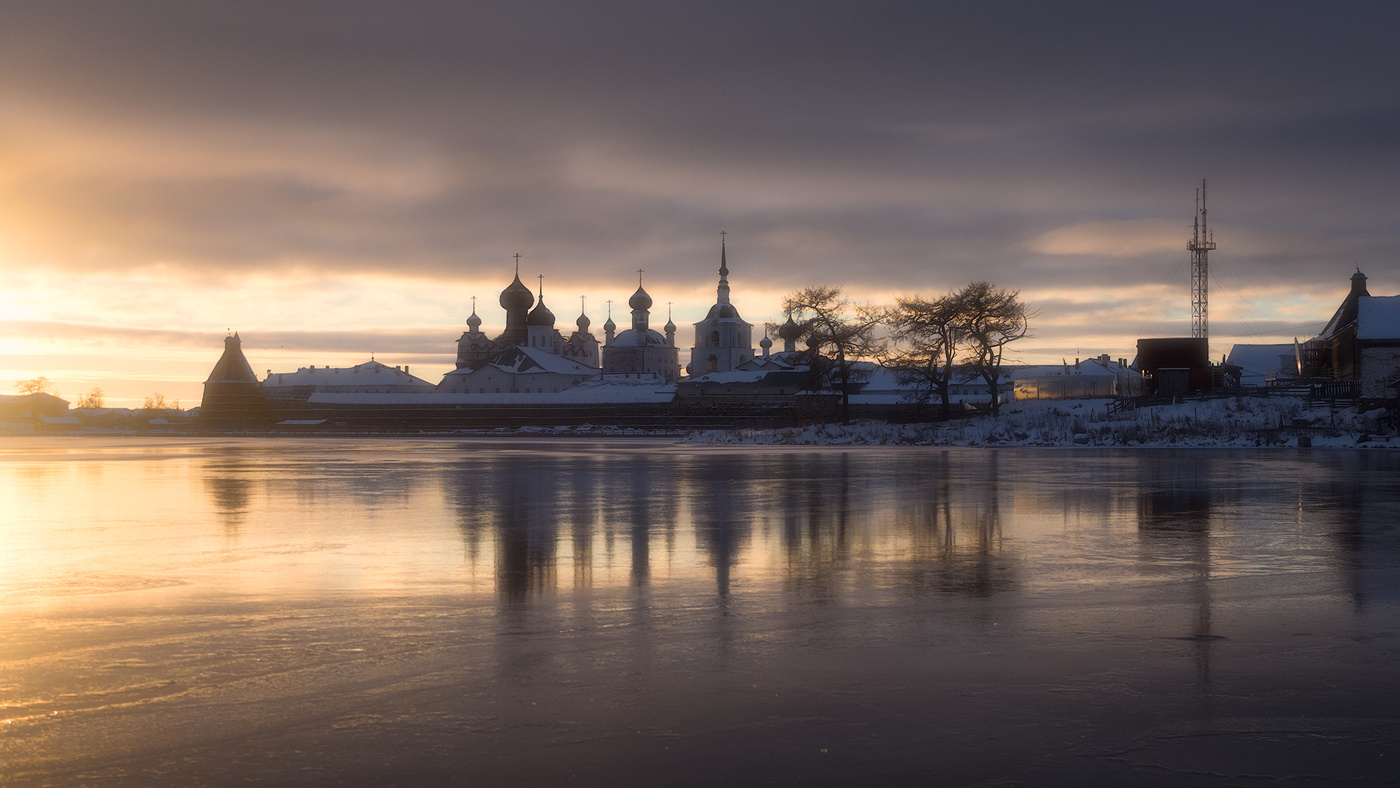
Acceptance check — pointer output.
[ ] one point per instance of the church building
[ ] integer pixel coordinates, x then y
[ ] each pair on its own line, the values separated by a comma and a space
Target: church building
640, 349
529, 356
527, 328
723, 340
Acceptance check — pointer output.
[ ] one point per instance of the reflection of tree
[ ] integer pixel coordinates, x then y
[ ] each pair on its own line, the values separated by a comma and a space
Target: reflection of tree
974, 543
815, 521
950, 507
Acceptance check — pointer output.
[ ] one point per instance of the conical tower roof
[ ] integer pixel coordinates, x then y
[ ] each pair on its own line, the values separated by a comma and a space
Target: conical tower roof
233, 366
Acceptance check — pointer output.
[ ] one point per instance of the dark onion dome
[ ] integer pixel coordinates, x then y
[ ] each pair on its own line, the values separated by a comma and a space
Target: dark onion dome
789, 331
583, 323
639, 299
473, 321
610, 326
541, 316
516, 296
670, 327
765, 343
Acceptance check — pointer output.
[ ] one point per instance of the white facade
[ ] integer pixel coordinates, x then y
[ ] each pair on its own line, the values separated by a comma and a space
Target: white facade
370, 377
640, 349
517, 370
723, 340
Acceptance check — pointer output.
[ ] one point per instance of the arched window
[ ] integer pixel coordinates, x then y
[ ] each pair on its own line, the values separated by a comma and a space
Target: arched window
714, 339
712, 363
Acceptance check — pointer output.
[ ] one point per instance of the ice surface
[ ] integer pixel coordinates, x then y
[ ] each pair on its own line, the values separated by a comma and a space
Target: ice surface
606, 612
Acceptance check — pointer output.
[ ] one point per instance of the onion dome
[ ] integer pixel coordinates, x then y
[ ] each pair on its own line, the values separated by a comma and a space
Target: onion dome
610, 326
639, 299
516, 296
789, 331
473, 322
670, 327
765, 343
583, 323
541, 316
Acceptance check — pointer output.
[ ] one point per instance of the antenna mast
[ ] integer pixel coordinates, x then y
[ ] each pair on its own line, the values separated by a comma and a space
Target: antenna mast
1202, 241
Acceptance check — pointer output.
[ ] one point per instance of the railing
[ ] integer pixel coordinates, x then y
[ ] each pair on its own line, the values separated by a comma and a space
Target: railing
1329, 391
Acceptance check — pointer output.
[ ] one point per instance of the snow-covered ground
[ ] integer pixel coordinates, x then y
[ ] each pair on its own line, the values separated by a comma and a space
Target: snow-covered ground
1242, 421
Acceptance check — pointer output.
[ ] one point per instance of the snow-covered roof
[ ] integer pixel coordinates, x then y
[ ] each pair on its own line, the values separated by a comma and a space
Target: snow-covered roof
1378, 317
94, 413
370, 373
734, 376
527, 360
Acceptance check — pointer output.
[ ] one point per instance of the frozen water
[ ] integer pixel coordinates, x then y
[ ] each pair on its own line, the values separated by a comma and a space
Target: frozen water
603, 612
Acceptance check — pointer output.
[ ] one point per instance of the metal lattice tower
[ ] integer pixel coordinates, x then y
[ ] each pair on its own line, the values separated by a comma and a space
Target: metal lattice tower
1202, 241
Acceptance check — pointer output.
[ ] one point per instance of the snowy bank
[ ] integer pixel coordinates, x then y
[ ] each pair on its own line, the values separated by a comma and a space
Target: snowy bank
1241, 421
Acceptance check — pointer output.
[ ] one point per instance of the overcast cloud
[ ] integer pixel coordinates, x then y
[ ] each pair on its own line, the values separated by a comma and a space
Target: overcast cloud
889, 147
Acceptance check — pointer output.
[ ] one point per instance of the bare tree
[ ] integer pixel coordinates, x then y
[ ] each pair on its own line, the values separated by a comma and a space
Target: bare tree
926, 339
989, 319
39, 385
157, 402
838, 333
92, 399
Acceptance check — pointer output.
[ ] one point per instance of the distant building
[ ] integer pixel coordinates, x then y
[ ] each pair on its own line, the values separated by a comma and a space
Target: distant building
789, 358
1360, 344
723, 340
1093, 377
232, 394
526, 328
370, 377
31, 406
517, 370
1260, 364
1174, 365
641, 350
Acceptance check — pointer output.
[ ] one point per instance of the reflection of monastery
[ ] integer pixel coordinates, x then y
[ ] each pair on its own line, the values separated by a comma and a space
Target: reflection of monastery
532, 373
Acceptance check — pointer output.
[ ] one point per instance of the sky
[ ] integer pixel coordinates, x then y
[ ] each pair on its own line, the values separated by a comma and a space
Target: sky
335, 180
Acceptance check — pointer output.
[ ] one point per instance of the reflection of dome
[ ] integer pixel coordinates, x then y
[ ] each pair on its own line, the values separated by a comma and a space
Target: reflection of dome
583, 323
474, 321
790, 331
640, 299
541, 316
516, 296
